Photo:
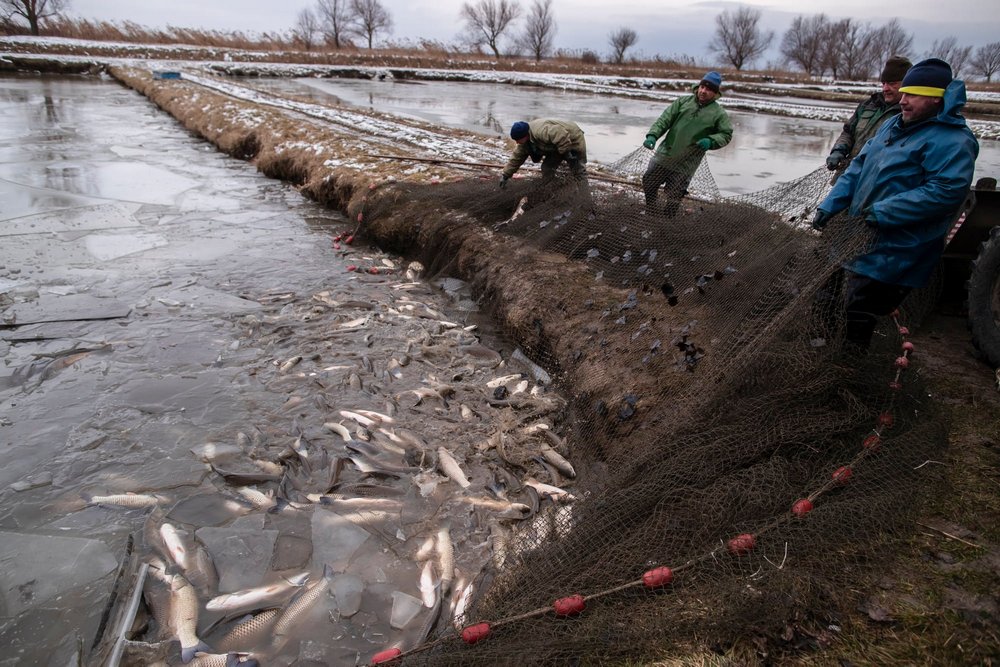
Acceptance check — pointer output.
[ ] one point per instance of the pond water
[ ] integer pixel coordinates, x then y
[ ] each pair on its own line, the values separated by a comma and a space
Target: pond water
167, 308
765, 149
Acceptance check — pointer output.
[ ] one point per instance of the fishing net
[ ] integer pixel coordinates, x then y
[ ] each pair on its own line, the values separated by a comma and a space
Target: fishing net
719, 425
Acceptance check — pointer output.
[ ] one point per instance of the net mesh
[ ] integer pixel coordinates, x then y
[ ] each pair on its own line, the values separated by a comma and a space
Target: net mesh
710, 391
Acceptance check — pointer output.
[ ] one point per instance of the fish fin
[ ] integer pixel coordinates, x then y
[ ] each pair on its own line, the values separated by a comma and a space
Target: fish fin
279, 505
88, 498
188, 652
328, 571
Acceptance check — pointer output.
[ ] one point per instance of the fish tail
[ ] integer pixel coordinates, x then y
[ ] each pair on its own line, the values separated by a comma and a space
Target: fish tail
279, 505
188, 652
88, 498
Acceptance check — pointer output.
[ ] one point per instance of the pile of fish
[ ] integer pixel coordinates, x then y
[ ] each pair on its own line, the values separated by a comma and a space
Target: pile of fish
362, 512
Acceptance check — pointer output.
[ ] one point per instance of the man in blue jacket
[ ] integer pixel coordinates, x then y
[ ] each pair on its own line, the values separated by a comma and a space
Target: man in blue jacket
907, 184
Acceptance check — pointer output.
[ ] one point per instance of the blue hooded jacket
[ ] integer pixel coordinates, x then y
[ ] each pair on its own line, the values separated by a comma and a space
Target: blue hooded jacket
909, 181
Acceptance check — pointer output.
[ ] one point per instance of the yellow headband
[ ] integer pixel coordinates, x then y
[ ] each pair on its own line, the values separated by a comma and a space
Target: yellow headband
925, 91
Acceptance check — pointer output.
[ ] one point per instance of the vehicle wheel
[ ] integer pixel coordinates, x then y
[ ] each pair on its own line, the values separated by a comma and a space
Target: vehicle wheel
984, 299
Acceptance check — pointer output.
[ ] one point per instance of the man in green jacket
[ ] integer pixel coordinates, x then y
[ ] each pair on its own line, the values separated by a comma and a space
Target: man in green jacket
869, 116
550, 141
693, 124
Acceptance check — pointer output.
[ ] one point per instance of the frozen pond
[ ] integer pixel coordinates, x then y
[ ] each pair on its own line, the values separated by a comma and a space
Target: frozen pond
765, 149
183, 332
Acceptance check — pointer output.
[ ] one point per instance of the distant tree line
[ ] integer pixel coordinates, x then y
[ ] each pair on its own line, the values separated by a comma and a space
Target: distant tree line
819, 46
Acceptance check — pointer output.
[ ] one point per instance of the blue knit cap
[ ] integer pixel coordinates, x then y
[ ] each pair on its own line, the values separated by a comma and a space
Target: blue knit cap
713, 80
928, 78
519, 130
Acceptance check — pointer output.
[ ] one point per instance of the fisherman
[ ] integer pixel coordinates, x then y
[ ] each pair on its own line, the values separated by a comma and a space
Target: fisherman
693, 124
907, 184
869, 116
550, 141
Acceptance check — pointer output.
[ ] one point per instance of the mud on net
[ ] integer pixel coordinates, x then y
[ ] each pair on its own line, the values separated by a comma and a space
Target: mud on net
710, 394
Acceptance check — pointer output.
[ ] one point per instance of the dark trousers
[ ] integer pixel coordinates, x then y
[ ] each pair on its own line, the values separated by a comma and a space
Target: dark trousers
864, 300
674, 185
551, 162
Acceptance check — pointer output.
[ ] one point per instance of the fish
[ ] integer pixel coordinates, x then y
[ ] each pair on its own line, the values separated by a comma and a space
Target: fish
428, 586
339, 429
248, 631
467, 412
128, 500
354, 382
371, 414
339, 502
184, 617
298, 606
449, 466
502, 380
426, 549
231, 659
425, 392
393, 368
556, 459
359, 418
499, 538
243, 440
504, 508
301, 448
519, 387
553, 492
288, 365
258, 596
246, 478
259, 500
369, 465
175, 544
446, 557
461, 604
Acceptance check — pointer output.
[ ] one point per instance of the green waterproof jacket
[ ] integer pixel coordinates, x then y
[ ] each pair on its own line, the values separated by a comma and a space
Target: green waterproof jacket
685, 122
548, 136
863, 124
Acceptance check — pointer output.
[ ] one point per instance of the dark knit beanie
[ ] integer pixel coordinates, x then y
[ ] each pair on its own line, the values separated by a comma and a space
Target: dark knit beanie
928, 78
712, 80
519, 130
895, 69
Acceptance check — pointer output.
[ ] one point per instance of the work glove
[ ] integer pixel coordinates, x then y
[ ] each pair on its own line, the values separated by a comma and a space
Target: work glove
572, 155
503, 181
822, 217
649, 142
835, 160
704, 144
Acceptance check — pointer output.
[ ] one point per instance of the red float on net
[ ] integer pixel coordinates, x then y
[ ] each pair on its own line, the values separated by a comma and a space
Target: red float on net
872, 441
902, 362
361, 216
802, 507
908, 346
842, 475
475, 633
742, 544
349, 239
388, 655
569, 606
352, 267
904, 331
373, 270
336, 246
886, 419
659, 576
895, 386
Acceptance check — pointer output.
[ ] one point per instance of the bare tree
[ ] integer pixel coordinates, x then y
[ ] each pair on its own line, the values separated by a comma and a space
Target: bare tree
849, 52
891, 40
621, 40
369, 19
487, 20
306, 28
738, 36
986, 61
335, 20
539, 30
948, 50
803, 42
33, 11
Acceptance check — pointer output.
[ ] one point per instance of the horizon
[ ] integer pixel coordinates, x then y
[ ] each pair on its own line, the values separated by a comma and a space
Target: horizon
681, 30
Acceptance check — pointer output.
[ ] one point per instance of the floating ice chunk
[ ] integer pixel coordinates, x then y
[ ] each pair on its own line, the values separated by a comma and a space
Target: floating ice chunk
347, 589
335, 539
404, 609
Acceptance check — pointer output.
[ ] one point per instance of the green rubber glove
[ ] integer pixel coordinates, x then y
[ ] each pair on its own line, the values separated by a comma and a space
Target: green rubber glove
704, 144
649, 142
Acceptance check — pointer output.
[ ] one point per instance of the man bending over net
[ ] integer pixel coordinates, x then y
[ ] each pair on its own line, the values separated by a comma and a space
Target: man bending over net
550, 142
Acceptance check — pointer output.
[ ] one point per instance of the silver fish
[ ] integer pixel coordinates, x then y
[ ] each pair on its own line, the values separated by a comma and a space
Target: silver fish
298, 606
556, 459
255, 597
249, 631
553, 492
175, 544
428, 586
129, 500
231, 659
259, 500
449, 466
446, 558
288, 365
184, 617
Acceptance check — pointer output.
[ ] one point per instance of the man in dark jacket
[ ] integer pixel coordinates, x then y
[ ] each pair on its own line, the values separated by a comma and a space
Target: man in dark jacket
907, 184
869, 116
550, 141
693, 124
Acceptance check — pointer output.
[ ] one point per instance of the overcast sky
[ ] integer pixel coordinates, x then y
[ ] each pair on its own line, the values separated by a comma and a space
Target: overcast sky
665, 27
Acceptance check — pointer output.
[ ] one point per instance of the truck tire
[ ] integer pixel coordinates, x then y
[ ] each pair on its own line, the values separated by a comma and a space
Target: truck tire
984, 299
